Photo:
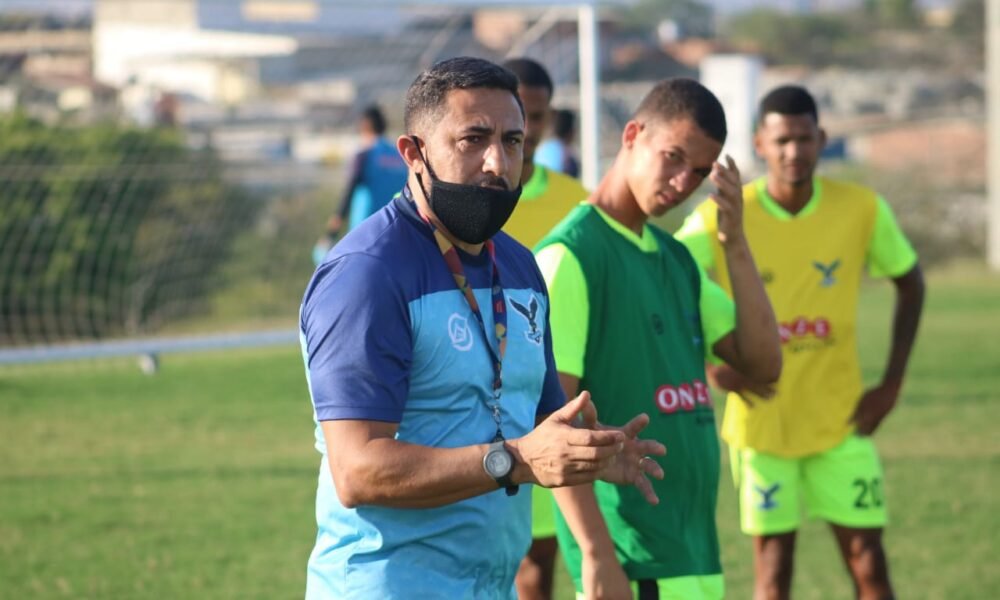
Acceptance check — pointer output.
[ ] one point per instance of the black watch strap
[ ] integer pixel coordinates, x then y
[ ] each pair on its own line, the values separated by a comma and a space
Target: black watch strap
505, 481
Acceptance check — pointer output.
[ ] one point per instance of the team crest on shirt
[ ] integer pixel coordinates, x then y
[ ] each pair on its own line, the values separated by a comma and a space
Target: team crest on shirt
530, 313
459, 332
827, 271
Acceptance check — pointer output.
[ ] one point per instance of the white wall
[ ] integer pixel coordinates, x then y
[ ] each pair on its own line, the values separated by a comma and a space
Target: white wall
735, 80
125, 50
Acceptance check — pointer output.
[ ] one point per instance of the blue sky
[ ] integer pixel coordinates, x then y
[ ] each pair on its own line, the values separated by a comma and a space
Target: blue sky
60, 6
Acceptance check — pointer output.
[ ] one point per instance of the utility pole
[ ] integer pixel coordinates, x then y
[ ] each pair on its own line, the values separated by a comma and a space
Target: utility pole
993, 134
590, 99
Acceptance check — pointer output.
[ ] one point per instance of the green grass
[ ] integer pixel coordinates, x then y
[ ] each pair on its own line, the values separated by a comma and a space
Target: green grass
199, 482
195, 483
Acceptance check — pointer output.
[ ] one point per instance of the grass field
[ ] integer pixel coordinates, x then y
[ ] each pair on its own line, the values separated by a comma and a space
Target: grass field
198, 482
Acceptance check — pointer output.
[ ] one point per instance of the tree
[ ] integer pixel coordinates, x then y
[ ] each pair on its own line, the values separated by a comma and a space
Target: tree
901, 14
693, 17
104, 228
970, 22
809, 39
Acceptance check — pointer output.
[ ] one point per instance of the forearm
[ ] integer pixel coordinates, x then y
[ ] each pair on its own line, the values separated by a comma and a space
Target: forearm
905, 322
578, 506
345, 202
387, 472
757, 344
353, 181
723, 377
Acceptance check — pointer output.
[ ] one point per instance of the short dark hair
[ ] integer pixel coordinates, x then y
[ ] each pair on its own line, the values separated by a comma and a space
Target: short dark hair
681, 97
373, 114
427, 93
530, 73
788, 100
563, 123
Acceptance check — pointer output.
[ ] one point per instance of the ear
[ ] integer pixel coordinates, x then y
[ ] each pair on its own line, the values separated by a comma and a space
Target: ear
411, 156
822, 138
758, 144
630, 133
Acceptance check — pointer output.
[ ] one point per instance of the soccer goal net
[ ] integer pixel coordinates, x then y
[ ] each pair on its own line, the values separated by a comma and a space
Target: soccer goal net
178, 186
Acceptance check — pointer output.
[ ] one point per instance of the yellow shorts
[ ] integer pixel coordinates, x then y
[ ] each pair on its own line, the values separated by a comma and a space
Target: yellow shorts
842, 485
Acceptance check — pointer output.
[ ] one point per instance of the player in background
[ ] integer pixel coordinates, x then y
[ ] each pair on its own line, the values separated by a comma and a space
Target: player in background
547, 196
807, 441
557, 152
633, 320
376, 174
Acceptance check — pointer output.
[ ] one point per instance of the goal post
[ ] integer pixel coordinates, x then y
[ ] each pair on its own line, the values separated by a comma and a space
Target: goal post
188, 224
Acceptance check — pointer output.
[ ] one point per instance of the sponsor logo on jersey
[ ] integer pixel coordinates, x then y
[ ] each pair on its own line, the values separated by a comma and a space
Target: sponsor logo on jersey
686, 397
530, 313
767, 501
803, 327
459, 332
827, 271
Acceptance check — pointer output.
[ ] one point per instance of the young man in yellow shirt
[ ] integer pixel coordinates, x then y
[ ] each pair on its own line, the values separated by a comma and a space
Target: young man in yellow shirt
547, 196
807, 440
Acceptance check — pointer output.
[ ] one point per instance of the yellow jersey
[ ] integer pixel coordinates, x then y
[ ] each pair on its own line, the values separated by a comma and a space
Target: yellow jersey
545, 199
811, 264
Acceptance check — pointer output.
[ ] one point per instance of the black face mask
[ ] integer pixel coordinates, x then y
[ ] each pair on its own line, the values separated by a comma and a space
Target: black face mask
471, 213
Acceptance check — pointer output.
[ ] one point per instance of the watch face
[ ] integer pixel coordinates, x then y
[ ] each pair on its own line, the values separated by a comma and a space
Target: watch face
498, 463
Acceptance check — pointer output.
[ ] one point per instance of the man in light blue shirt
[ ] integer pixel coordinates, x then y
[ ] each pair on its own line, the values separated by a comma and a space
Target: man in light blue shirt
429, 362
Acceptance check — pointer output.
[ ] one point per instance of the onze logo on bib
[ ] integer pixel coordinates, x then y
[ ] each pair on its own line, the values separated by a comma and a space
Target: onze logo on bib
687, 396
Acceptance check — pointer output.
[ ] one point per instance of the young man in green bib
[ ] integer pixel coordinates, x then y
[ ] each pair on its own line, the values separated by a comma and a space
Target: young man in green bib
547, 196
633, 320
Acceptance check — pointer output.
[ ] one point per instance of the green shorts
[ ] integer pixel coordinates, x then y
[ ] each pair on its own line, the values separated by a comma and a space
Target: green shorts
842, 485
689, 587
543, 517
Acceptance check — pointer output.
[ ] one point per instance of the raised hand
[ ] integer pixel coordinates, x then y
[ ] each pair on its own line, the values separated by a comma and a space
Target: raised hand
729, 198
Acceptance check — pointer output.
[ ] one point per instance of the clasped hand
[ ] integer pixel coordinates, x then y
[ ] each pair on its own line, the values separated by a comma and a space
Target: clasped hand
571, 447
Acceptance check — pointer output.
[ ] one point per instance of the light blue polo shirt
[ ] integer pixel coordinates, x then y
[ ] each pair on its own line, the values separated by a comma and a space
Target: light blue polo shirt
387, 336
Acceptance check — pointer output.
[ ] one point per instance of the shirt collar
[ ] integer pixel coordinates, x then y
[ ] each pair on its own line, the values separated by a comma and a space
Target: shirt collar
407, 207
645, 243
778, 211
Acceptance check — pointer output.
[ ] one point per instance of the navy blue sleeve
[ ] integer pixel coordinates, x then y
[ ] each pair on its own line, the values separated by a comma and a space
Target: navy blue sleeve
553, 398
358, 341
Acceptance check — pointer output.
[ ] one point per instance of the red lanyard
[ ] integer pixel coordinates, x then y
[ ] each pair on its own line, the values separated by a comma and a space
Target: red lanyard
454, 263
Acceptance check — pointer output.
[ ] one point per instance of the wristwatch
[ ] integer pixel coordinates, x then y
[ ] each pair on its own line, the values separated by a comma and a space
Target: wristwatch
499, 464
